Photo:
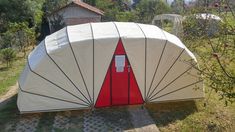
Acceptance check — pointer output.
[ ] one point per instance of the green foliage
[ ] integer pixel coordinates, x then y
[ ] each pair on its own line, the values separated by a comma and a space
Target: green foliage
147, 9
143, 12
22, 36
6, 40
8, 55
15, 11
127, 16
216, 54
110, 8
90, 2
51, 5
178, 6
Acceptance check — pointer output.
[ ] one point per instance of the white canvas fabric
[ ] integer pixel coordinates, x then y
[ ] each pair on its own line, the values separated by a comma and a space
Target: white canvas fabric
68, 68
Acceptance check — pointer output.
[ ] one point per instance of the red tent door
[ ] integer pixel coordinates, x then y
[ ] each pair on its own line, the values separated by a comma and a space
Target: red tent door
120, 86
120, 80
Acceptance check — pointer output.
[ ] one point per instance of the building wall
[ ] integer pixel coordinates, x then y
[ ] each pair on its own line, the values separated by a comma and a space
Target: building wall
74, 11
73, 15
74, 21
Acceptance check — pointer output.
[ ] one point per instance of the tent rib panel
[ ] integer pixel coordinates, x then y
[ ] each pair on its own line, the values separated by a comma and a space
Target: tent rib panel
177, 90
145, 50
51, 97
181, 52
159, 61
171, 82
93, 64
65, 75
55, 84
78, 66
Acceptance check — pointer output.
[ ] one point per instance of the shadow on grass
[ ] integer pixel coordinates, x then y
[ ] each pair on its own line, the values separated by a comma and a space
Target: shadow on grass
166, 113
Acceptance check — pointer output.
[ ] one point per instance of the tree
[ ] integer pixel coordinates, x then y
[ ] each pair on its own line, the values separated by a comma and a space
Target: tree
23, 36
216, 54
178, 6
8, 55
14, 11
127, 16
109, 8
51, 5
90, 2
147, 9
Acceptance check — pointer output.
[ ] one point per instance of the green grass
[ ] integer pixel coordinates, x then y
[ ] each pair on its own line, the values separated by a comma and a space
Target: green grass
194, 116
10, 75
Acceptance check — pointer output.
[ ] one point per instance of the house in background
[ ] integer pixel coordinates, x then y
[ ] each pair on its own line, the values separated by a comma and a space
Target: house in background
75, 12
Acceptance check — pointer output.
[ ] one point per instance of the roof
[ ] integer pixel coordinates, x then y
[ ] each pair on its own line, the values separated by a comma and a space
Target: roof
83, 5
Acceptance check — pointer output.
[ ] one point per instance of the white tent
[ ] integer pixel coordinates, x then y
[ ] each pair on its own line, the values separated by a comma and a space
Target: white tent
207, 16
174, 18
106, 64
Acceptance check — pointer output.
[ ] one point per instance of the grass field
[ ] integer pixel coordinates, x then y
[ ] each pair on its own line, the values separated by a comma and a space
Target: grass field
10, 75
194, 115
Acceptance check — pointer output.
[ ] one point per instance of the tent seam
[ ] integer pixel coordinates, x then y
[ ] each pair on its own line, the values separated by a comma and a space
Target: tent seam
159, 61
53, 83
50, 97
166, 73
145, 58
177, 90
64, 73
172, 82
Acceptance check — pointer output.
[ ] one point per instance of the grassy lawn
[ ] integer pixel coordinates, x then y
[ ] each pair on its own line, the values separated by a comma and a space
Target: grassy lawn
9, 76
194, 115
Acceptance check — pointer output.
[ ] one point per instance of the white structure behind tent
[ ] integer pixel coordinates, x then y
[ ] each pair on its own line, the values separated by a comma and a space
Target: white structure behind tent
176, 19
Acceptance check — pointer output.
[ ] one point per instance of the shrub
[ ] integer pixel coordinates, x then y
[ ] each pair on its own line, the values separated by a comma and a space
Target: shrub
8, 55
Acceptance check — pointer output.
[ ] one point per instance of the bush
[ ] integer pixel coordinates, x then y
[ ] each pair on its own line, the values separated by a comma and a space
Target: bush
193, 26
8, 55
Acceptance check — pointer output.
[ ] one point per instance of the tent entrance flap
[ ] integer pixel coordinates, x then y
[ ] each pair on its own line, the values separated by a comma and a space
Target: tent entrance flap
120, 86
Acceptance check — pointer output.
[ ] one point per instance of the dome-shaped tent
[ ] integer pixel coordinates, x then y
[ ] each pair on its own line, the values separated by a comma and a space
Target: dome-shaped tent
107, 64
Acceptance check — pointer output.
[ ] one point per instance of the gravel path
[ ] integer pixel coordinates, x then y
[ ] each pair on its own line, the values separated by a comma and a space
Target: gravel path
141, 120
